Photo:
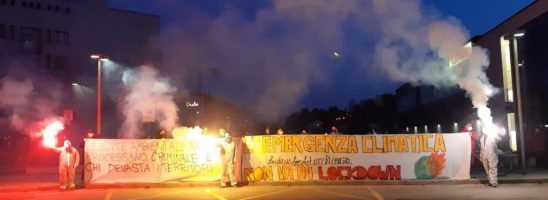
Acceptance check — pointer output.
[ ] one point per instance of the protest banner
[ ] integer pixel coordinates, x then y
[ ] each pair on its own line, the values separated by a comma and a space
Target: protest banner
356, 157
151, 160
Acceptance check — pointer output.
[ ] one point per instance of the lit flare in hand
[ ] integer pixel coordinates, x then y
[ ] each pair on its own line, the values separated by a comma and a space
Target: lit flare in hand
50, 132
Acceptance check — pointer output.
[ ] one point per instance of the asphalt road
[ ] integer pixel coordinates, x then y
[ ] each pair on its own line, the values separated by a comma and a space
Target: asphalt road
466, 191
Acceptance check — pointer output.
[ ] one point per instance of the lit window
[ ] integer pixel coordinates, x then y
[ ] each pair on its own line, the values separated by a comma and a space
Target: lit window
512, 131
506, 70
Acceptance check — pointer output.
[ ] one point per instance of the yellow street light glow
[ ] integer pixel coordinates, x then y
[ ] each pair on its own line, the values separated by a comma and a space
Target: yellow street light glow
207, 190
94, 56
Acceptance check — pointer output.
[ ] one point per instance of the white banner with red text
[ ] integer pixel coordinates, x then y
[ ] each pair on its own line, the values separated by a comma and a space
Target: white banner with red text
356, 157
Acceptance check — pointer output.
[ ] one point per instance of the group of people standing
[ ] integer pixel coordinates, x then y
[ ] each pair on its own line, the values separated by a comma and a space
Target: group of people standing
69, 157
69, 160
280, 131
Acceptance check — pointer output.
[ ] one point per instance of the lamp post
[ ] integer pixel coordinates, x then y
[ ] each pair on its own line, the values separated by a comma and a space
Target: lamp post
99, 59
519, 100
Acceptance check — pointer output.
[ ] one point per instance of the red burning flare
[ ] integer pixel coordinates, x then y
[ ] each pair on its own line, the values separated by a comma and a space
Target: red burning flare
49, 133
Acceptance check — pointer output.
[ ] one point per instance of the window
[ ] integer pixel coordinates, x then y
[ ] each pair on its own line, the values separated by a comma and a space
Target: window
12, 2
30, 40
48, 61
38, 6
4, 2
3, 32
67, 10
31, 4
506, 70
24, 4
49, 7
11, 33
56, 62
512, 131
61, 37
48, 36
56, 8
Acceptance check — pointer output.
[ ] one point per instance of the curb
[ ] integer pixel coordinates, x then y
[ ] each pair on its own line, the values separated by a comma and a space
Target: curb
50, 187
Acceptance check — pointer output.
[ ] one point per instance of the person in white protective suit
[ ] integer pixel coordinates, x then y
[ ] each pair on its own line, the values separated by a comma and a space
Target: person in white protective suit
489, 156
227, 159
69, 159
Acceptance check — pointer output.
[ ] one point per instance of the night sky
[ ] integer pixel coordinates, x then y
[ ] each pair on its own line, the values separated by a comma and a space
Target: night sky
197, 29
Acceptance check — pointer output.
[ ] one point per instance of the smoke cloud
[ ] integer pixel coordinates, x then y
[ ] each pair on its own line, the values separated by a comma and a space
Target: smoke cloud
148, 98
270, 56
421, 49
26, 108
266, 62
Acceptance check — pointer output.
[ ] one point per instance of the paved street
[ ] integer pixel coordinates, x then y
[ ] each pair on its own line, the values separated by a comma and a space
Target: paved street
465, 191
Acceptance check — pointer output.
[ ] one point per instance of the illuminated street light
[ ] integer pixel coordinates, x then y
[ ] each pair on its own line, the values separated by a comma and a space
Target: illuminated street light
519, 34
100, 59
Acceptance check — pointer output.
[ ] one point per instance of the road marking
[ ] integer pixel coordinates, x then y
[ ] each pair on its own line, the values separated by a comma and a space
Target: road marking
157, 195
213, 194
336, 193
109, 195
375, 194
266, 194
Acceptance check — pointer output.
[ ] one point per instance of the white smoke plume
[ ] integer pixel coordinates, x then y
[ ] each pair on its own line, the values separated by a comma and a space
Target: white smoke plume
26, 108
147, 96
270, 61
423, 49
267, 63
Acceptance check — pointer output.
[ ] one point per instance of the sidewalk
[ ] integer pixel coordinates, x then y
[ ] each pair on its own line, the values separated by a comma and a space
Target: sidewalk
44, 180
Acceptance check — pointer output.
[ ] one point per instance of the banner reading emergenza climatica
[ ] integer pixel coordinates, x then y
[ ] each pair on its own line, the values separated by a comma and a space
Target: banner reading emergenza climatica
356, 157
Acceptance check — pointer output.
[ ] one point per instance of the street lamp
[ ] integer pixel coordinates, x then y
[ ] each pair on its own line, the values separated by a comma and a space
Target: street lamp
517, 64
99, 59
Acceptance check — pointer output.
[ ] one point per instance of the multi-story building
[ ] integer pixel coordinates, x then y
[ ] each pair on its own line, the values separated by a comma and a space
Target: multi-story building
518, 49
55, 38
517, 52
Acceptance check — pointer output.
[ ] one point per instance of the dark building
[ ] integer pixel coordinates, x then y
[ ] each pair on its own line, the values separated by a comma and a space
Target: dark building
53, 40
425, 109
197, 109
518, 53
518, 48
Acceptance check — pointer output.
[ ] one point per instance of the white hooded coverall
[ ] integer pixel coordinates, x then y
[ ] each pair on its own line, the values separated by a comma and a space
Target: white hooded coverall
227, 160
489, 157
68, 161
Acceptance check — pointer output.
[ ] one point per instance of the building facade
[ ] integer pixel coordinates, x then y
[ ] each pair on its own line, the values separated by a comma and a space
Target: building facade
55, 38
518, 65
